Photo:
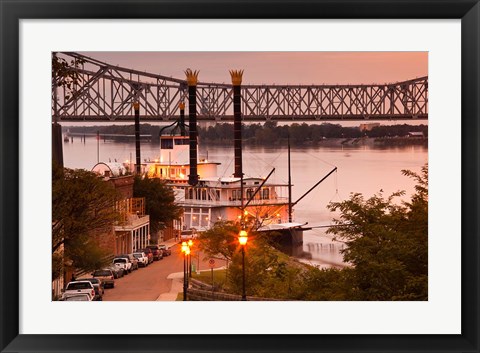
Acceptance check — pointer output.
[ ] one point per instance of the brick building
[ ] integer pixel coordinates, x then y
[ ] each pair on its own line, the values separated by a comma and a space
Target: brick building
133, 230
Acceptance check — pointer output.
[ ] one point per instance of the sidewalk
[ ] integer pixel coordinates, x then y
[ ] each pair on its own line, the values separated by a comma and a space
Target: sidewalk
175, 289
177, 277
177, 285
170, 242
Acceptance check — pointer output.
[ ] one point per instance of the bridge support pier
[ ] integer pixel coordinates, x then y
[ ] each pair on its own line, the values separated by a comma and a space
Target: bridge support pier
57, 144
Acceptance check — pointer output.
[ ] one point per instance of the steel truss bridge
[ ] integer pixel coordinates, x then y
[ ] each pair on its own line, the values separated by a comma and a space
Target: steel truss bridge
105, 92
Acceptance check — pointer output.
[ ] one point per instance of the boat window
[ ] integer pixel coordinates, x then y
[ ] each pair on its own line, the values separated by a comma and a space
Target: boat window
181, 141
266, 194
166, 143
249, 193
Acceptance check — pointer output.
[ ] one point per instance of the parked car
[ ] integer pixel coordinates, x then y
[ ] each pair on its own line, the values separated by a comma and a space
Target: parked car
142, 258
81, 297
106, 276
124, 263
98, 286
131, 258
79, 287
156, 252
166, 251
186, 235
149, 254
118, 272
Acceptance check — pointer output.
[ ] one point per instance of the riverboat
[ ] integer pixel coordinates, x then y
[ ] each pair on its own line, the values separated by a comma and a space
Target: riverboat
214, 197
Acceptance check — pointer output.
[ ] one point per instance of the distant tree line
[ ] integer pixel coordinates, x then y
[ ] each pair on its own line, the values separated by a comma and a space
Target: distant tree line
267, 133
270, 132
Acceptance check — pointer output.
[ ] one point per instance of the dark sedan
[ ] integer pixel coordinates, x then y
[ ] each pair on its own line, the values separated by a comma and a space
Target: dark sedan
166, 251
156, 252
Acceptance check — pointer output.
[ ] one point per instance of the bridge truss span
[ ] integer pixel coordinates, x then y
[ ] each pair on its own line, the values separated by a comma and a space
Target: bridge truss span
104, 92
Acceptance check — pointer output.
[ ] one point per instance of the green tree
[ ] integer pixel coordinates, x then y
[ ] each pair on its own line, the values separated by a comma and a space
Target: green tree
65, 74
387, 243
327, 284
220, 240
82, 211
160, 201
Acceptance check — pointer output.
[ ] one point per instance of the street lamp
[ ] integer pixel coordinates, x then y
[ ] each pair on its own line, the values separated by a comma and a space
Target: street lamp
242, 239
190, 245
185, 251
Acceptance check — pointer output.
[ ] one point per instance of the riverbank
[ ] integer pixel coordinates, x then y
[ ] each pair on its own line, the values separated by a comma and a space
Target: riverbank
330, 142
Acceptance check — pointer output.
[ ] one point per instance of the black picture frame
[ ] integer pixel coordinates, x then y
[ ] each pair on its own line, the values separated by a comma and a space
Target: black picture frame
13, 11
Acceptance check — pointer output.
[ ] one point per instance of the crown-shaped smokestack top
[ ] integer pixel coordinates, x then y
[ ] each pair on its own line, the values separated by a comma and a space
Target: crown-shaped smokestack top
192, 77
236, 77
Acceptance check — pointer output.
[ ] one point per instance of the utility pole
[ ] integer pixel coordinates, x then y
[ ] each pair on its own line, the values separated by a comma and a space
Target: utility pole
136, 107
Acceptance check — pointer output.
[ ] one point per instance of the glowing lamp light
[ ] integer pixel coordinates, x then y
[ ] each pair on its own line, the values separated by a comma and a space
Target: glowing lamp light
190, 243
243, 237
187, 252
245, 213
184, 247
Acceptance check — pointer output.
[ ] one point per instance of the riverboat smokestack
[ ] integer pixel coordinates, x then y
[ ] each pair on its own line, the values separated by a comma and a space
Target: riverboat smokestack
192, 80
237, 120
181, 105
136, 108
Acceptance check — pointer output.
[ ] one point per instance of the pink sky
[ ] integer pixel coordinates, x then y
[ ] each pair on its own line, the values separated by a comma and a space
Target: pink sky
278, 67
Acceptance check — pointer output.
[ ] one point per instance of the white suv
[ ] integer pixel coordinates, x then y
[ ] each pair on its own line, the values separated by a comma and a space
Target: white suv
79, 287
124, 263
142, 258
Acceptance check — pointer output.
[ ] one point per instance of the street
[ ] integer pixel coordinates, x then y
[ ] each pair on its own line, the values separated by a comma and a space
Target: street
149, 283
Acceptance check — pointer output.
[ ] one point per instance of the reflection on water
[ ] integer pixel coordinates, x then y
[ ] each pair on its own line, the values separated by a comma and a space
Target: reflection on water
325, 254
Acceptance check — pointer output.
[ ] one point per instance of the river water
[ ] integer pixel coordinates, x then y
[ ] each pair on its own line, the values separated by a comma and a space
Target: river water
362, 168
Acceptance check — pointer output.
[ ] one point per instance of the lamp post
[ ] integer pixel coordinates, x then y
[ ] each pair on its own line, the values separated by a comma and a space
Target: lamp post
185, 251
190, 245
242, 239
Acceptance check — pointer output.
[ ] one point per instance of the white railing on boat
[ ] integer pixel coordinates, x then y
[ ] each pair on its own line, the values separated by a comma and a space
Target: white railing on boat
237, 203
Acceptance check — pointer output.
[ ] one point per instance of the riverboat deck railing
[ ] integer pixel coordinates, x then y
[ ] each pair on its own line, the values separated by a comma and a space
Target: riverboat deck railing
230, 203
